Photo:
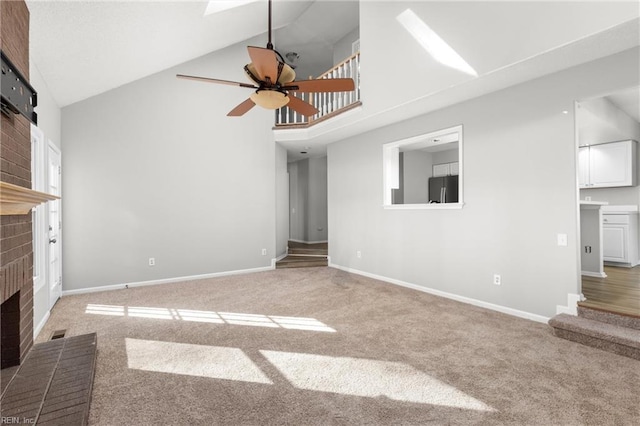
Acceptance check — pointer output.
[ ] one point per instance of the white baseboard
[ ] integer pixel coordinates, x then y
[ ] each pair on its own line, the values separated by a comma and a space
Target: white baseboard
463, 299
273, 261
38, 328
167, 280
593, 274
572, 305
308, 242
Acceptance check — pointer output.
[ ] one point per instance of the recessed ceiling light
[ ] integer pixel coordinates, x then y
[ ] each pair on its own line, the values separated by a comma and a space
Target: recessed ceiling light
565, 112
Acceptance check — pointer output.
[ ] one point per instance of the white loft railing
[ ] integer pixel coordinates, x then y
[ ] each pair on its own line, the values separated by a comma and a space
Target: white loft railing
327, 103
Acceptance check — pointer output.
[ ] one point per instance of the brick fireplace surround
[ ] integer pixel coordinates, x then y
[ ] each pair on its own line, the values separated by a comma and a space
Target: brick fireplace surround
16, 250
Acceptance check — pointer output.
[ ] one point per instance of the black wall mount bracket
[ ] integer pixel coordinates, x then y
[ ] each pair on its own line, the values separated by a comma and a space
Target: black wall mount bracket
18, 97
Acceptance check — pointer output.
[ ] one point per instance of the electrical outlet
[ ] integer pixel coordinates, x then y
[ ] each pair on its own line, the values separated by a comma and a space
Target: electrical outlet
359, 254
152, 261
497, 280
264, 252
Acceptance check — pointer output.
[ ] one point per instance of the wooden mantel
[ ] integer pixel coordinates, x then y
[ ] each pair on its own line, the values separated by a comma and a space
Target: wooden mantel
16, 199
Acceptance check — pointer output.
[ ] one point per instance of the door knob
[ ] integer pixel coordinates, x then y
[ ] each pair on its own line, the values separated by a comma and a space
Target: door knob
53, 241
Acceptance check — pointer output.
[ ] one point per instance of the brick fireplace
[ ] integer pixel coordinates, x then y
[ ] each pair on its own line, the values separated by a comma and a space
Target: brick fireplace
16, 250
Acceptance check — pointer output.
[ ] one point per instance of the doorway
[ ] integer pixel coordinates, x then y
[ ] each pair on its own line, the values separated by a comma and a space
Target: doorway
54, 266
308, 212
602, 124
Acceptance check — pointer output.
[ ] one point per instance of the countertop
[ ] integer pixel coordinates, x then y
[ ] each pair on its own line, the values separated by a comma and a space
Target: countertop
592, 204
622, 209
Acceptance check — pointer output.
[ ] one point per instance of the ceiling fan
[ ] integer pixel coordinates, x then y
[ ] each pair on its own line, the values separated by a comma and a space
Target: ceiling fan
274, 82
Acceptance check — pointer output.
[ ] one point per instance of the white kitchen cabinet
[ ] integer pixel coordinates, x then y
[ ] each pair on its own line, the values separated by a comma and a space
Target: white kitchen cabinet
608, 165
446, 169
620, 238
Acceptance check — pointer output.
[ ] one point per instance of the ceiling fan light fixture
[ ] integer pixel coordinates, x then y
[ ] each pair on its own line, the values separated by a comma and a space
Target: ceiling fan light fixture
269, 99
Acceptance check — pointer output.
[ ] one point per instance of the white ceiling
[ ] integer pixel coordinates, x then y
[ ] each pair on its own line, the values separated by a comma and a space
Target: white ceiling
628, 101
87, 47
83, 48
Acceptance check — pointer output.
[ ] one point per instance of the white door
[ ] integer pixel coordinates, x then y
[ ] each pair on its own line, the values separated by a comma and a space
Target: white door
55, 224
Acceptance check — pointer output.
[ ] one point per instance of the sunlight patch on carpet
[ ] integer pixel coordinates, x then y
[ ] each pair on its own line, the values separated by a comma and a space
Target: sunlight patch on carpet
231, 318
193, 360
105, 310
369, 378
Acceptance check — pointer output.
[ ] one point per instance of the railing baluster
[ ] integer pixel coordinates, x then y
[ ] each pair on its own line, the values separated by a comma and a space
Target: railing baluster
326, 102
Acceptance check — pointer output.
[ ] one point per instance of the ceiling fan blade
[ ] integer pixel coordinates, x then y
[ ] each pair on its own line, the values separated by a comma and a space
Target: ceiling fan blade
266, 63
242, 108
215, 80
322, 85
301, 107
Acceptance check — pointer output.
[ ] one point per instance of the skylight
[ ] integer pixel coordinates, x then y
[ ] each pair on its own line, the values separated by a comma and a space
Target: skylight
432, 43
215, 6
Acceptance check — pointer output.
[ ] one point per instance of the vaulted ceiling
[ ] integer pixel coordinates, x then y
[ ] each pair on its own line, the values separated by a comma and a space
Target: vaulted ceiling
83, 48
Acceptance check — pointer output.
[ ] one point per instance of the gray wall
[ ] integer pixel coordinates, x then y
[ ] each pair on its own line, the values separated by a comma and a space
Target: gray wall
417, 166
317, 209
308, 199
520, 191
49, 113
342, 48
282, 201
448, 156
156, 169
298, 189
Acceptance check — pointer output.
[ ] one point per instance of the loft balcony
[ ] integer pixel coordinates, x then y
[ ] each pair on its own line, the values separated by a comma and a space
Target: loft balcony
328, 104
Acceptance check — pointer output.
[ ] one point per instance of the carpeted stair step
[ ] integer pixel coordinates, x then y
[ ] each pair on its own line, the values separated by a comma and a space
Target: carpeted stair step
609, 337
609, 317
301, 262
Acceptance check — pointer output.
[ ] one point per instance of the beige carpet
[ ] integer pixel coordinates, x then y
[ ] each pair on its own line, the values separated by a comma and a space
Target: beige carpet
319, 346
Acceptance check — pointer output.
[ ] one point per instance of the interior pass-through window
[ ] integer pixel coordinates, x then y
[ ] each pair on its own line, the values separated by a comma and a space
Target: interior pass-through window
424, 171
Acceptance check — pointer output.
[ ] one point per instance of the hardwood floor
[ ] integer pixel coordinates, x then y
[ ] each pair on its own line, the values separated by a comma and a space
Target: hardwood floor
619, 292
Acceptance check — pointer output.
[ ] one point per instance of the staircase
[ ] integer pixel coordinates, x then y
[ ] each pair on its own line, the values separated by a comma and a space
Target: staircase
302, 255
600, 329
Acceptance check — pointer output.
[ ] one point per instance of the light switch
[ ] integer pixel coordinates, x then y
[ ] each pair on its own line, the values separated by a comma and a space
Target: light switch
562, 240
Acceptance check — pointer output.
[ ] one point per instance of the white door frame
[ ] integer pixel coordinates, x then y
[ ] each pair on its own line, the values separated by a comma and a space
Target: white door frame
54, 236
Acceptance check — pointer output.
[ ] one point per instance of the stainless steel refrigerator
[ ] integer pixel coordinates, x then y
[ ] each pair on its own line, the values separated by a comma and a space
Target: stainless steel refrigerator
443, 189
